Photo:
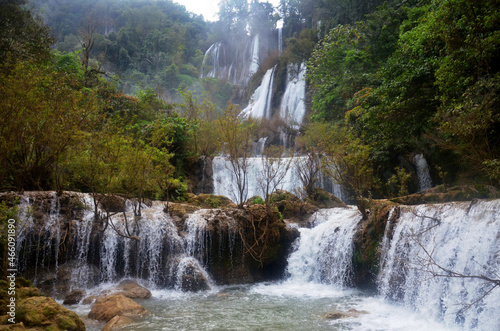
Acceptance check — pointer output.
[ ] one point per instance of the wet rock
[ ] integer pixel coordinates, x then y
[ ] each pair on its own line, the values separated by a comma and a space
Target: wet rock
116, 305
90, 299
132, 290
46, 314
74, 297
193, 280
117, 322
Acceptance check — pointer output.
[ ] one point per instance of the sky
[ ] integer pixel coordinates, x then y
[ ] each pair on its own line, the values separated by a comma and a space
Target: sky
208, 8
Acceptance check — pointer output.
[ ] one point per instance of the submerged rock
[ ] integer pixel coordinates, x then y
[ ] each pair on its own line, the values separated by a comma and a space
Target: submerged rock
345, 314
74, 297
116, 305
117, 322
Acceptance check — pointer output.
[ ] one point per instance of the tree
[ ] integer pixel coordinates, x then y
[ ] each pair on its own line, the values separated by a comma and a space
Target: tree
233, 16
41, 118
23, 37
275, 165
237, 138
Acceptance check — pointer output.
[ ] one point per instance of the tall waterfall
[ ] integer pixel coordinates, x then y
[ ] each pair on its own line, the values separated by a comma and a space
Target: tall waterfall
432, 241
293, 107
260, 103
255, 59
235, 62
324, 253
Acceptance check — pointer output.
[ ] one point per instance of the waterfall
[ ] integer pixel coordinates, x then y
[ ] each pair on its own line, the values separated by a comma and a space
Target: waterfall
50, 243
225, 181
293, 108
211, 59
460, 237
280, 40
423, 174
323, 253
260, 103
259, 146
255, 59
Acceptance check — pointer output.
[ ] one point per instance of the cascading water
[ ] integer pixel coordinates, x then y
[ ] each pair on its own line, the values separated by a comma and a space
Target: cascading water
323, 253
434, 256
293, 108
280, 40
260, 103
225, 182
423, 174
255, 60
104, 256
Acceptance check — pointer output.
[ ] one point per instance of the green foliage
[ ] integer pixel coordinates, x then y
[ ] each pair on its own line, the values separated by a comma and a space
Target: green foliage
258, 201
400, 181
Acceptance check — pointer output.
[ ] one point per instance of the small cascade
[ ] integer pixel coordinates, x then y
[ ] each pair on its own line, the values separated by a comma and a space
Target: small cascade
323, 253
211, 61
423, 174
431, 241
293, 108
260, 103
259, 146
280, 40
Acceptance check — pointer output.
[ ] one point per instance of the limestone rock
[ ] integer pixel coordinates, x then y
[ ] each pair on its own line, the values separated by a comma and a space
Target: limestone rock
193, 280
132, 290
45, 313
117, 322
107, 308
74, 297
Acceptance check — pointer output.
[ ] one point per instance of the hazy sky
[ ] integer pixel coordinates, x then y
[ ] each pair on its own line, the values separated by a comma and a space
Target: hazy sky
209, 8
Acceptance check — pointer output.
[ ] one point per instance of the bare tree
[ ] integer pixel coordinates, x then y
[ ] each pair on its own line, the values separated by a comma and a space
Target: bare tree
308, 169
275, 165
237, 138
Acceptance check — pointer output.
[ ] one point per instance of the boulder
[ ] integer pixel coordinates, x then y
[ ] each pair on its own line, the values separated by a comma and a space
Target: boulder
132, 290
45, 313
193, 280
74, 297
117, 322
116, 305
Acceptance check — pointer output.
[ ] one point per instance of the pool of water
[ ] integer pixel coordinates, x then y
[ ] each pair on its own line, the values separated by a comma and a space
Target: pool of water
270, 306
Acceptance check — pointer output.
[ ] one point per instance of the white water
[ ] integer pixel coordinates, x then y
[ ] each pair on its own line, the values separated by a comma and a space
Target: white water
260, 103
255, 60
280, 40
293, 107
225, 181
423, 174
463, 237
460, 237
323, 254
